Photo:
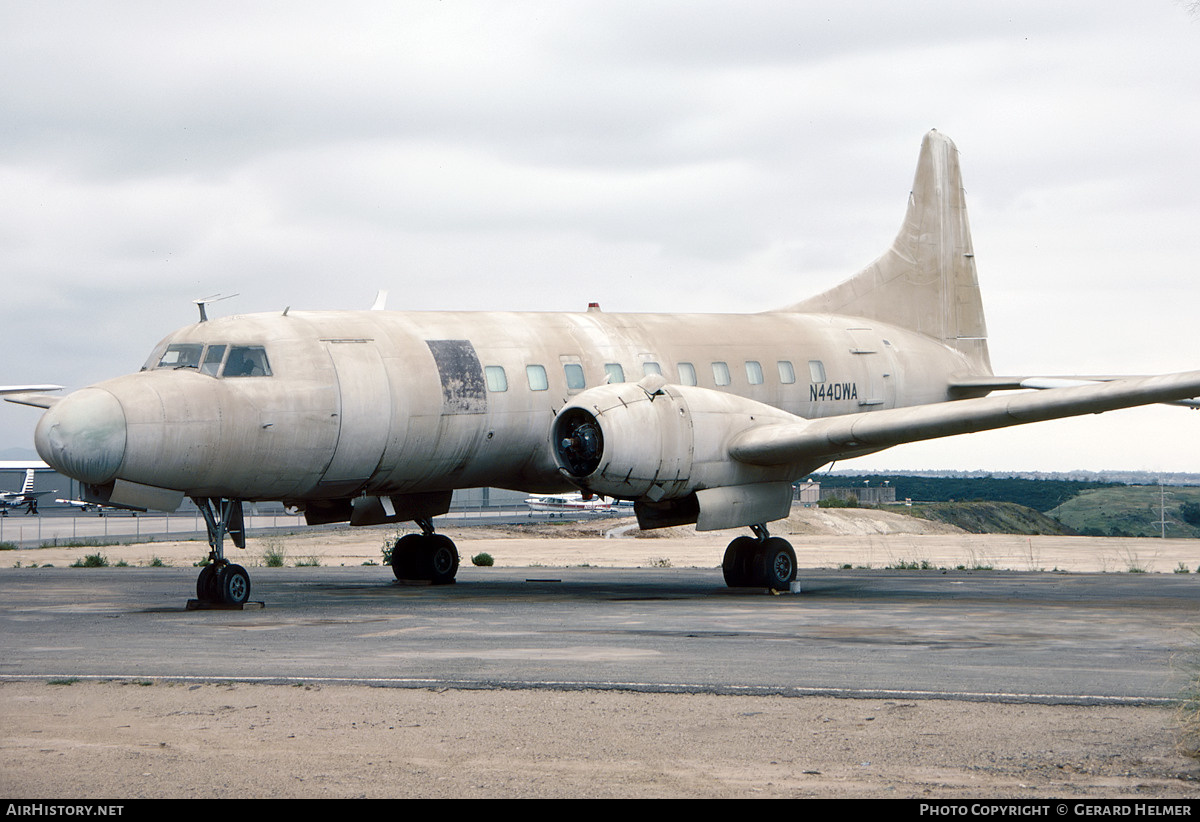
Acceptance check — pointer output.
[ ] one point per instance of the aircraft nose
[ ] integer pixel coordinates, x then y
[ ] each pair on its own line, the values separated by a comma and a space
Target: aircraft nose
83, 436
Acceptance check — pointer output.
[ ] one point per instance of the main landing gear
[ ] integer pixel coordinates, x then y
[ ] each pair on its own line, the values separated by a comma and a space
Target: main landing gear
425, 557
221, 582
760, 561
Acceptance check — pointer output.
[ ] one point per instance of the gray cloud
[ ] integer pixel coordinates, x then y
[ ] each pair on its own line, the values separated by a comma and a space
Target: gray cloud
654, 156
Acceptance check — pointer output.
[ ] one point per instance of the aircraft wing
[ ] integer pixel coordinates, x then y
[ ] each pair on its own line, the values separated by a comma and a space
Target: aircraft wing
30, 394
89, 506
996, 383
832, 437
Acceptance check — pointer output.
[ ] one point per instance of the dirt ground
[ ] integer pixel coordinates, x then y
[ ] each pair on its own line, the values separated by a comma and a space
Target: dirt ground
823, 538
152, 739
131, 740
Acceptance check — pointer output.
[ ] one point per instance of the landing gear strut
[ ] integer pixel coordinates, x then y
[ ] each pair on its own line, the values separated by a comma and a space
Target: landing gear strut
760, 561
221, 582
425, 557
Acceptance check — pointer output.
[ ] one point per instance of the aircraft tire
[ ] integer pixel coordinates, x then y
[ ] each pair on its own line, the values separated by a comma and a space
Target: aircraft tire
234, 585
775, 564
738, 561
206, 584
406, 554
441, 560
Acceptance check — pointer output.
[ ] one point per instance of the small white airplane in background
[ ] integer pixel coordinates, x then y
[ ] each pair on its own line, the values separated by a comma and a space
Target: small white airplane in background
26, 497
576, 504
101, 509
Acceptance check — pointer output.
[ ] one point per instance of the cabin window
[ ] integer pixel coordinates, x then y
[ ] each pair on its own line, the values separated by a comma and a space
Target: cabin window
247, 361
614, 372
536, 375
574, 372
720, 373
181, 355
787, 374
687, 373
495, 378
212, 360
754, 372
816, 371
649, 368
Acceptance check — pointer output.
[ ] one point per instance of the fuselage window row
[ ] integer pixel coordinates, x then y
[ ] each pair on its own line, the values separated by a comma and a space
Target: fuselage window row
538, 380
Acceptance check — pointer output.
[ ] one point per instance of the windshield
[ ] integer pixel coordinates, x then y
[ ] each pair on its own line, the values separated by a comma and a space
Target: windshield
247, 361
241, 361
181, 355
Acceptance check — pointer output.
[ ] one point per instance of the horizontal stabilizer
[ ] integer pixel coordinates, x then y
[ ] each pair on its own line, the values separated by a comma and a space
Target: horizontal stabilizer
833, 437
30, 394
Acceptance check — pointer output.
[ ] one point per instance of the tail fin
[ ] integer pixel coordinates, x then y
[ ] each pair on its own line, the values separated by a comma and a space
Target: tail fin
27, 488
926, 281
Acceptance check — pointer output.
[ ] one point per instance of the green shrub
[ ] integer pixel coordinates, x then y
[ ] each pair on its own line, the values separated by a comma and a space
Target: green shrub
274, 555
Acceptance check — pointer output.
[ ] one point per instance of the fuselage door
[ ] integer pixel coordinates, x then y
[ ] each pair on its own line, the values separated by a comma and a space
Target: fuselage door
365, 413
876, 367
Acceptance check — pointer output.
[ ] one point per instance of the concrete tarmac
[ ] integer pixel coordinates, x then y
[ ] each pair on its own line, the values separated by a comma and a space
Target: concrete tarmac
544, 676
981, 635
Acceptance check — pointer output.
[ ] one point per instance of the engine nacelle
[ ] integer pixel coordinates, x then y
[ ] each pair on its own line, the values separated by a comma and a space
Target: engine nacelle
651, 441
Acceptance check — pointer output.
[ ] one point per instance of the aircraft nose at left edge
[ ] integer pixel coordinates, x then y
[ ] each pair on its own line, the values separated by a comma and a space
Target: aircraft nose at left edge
83, 436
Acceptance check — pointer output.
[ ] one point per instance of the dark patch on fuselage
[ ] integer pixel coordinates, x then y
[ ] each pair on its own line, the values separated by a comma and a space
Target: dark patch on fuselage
458, 366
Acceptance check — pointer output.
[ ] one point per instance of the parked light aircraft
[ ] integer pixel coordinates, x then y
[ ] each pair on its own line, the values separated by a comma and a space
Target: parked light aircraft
377, 416
100, 508
575, 503
26, 497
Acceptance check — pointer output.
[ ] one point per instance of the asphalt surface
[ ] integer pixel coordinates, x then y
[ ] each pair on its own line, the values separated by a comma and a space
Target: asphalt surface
975, 635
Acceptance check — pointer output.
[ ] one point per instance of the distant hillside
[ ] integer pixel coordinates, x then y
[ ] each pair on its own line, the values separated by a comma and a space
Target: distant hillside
989, 517
1039, 494
1132, 511
1102, 477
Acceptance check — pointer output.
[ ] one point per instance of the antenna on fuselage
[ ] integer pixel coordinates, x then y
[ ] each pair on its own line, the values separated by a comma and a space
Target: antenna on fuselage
380, 301
204, 301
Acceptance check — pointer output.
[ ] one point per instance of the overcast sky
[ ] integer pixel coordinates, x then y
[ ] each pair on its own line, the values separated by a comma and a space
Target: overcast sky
652, 156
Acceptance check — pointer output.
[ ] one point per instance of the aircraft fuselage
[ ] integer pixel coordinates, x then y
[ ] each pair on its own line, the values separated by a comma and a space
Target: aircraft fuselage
381, 402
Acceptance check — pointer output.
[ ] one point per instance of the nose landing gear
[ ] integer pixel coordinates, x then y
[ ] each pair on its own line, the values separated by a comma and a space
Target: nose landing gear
222, 582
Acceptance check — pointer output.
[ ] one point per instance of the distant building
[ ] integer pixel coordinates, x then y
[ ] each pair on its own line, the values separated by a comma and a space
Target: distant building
807, 493
865, 494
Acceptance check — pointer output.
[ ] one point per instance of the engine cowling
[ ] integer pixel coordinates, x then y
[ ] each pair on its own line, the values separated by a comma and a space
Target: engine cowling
655, 441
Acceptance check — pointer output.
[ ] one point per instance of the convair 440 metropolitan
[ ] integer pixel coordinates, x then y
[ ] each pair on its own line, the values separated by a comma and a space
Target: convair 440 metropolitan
377, 416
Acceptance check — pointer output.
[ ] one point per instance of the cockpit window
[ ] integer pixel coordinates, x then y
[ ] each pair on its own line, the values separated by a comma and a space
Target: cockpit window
212, 360
242, 360
181, 355
247, 361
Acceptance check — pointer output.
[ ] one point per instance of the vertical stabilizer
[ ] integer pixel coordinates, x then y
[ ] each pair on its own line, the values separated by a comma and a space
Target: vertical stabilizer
926, 281
27, 488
